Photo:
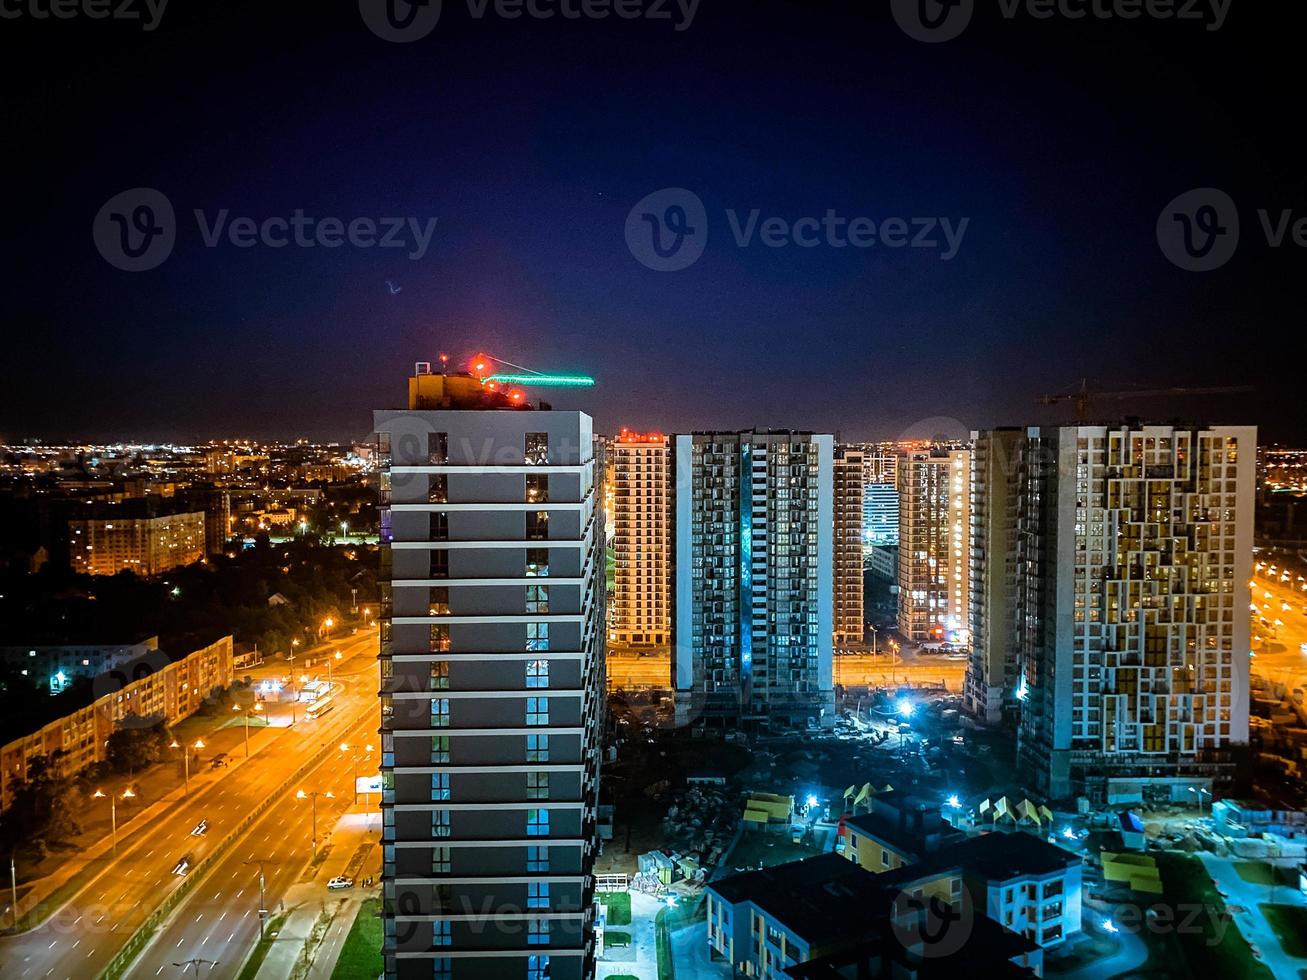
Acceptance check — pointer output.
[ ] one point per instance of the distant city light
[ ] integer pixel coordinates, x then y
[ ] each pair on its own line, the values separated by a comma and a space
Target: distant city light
1068, 833
953, 801
812, 801
906, 707
1109, 926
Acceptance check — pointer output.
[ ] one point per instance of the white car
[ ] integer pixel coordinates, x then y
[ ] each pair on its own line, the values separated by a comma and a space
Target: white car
340, 882
200, 829
182, 866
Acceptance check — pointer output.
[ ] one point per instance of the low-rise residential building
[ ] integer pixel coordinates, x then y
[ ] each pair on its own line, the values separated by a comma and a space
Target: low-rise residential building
826, 917
900, 829
58, 664
1019, 880
164, 689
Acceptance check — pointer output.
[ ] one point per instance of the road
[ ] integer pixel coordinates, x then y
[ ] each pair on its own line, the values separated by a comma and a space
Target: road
115, 895
1278, 654
219, 920
654, 670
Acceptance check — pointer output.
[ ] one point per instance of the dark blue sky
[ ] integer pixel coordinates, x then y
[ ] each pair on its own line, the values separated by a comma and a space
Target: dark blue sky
530, 141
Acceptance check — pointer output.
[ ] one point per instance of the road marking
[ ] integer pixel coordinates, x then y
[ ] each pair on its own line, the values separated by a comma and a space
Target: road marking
231, 937
51, 946
158, 971
180, 941
223, 916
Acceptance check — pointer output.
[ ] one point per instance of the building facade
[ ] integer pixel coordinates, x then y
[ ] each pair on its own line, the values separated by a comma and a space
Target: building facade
148, 546
1135, 547
153, 687
60, 664
847, 545
934, 547
990, 686
754, 568
642, 542
492, 686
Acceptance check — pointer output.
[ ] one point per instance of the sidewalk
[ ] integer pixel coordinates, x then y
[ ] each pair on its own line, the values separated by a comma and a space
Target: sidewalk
1252, 922
643, 949
356, 853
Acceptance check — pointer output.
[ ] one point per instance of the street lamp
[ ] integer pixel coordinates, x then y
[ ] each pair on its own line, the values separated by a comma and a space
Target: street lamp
312, 796
1198, 791
354, 758
100, 794
186, 764
263, 903
330, 678
250, 711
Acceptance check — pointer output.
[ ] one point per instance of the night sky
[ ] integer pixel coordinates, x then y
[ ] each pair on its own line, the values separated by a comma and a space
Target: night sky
1059, 141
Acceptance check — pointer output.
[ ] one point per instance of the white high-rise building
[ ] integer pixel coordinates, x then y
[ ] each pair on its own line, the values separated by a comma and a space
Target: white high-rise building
1134, 549
754, 579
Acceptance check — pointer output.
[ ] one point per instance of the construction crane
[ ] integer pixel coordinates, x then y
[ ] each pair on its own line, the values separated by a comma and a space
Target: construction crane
1084, 396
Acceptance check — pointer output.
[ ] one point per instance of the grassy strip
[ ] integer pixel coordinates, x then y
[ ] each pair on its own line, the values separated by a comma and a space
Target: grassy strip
262, 947
1290, 925
1186, 882
360, 956
616, 939
663, 945
618, 906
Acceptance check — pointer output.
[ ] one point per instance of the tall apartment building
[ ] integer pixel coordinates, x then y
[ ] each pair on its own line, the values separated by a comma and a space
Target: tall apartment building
642, 544
995, 478
148, 546
754, 559
934, 546
848, 476
1135, 546
880, 516
492, 685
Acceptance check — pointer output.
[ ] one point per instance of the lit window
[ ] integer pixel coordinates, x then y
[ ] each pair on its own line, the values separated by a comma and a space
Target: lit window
537, 673
440, 712
537, 786
537, 824
537, 636
537, 748
537, 711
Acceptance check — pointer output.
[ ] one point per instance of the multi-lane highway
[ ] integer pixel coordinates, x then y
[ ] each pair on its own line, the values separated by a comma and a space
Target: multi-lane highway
115, 895
1279, 605
218, 921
